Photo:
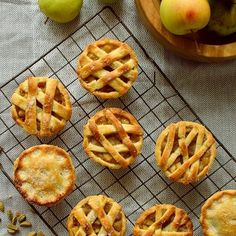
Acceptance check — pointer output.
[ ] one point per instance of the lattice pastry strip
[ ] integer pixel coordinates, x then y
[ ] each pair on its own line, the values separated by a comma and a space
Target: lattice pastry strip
41, 106
185, 151
113, 138
107, 68
163, 220
97, 215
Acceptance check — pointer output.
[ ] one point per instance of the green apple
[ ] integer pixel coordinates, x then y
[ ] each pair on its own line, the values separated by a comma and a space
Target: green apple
223, 17
61, 11
184, 16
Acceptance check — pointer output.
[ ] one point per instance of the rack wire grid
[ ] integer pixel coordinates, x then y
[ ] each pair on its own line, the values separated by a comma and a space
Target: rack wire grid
154, 102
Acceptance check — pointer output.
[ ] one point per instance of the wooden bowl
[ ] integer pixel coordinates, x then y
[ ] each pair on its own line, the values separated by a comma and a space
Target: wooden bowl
209, 47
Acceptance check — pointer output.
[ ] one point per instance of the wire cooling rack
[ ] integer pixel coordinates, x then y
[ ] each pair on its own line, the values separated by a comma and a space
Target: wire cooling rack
155, 103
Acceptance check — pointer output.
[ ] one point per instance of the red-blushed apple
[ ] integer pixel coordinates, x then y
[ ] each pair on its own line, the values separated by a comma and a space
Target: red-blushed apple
184, 16
61, 11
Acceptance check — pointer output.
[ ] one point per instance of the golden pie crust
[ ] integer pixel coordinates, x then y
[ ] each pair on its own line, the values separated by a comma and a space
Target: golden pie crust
163, 220
107, 68
41, 106
185, 151
44, 174
113, 138
218, 214
97, 215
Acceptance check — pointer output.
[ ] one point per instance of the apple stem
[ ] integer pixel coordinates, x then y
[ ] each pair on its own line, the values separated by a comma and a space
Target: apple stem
45, 22
195, 40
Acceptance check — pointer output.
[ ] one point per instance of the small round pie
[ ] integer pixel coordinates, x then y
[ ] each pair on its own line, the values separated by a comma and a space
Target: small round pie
97, 215
163, 220
218, 214
113, 138
107, 68
44, 174
185, 151
41, 106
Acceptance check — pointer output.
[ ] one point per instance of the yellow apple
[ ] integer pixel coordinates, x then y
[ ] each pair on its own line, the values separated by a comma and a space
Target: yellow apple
61, 11
184, 16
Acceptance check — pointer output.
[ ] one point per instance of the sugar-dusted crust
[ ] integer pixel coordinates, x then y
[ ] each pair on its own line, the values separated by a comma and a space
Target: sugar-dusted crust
164, 220
113, 138
218, 214
97, 215
41, 106
185, 151
107, 68
44, 174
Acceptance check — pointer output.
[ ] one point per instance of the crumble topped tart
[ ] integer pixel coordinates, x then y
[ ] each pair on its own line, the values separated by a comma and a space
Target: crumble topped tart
44, 174
185, 151
41, 106
163, 220
113, 138
218, 214
97, 215
107, 68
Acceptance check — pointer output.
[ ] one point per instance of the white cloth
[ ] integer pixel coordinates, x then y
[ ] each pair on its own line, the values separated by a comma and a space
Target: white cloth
210, 89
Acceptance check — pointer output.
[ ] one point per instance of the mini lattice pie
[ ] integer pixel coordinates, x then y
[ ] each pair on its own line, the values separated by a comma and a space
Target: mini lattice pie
113, 138
163, 220
107, 68
97, 215
41, 106
218, 214
44, 174
185, 151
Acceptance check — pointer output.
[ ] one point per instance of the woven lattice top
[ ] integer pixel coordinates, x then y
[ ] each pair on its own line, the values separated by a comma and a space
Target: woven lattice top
185, 151
107, 68
41, 106
163, 220
113, 138
97, 215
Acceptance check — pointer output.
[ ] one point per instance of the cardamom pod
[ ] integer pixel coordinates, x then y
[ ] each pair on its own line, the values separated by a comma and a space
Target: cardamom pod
21, 218
2, 207
12, 227
25, 224
33, 233
14, 220
11, 231
9, 215
40, 233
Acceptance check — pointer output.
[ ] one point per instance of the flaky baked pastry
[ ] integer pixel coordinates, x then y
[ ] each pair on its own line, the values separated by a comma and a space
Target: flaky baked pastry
113, 138
41, 106
185, 151
97, 215
163, 220
218, 214
107, 68
44, 174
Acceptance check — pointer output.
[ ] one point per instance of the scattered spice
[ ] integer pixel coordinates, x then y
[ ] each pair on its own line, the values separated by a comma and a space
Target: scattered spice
40, 233
33, 233
25, 224
12, 229
21, 218
2, 207
14, 220
9, 215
